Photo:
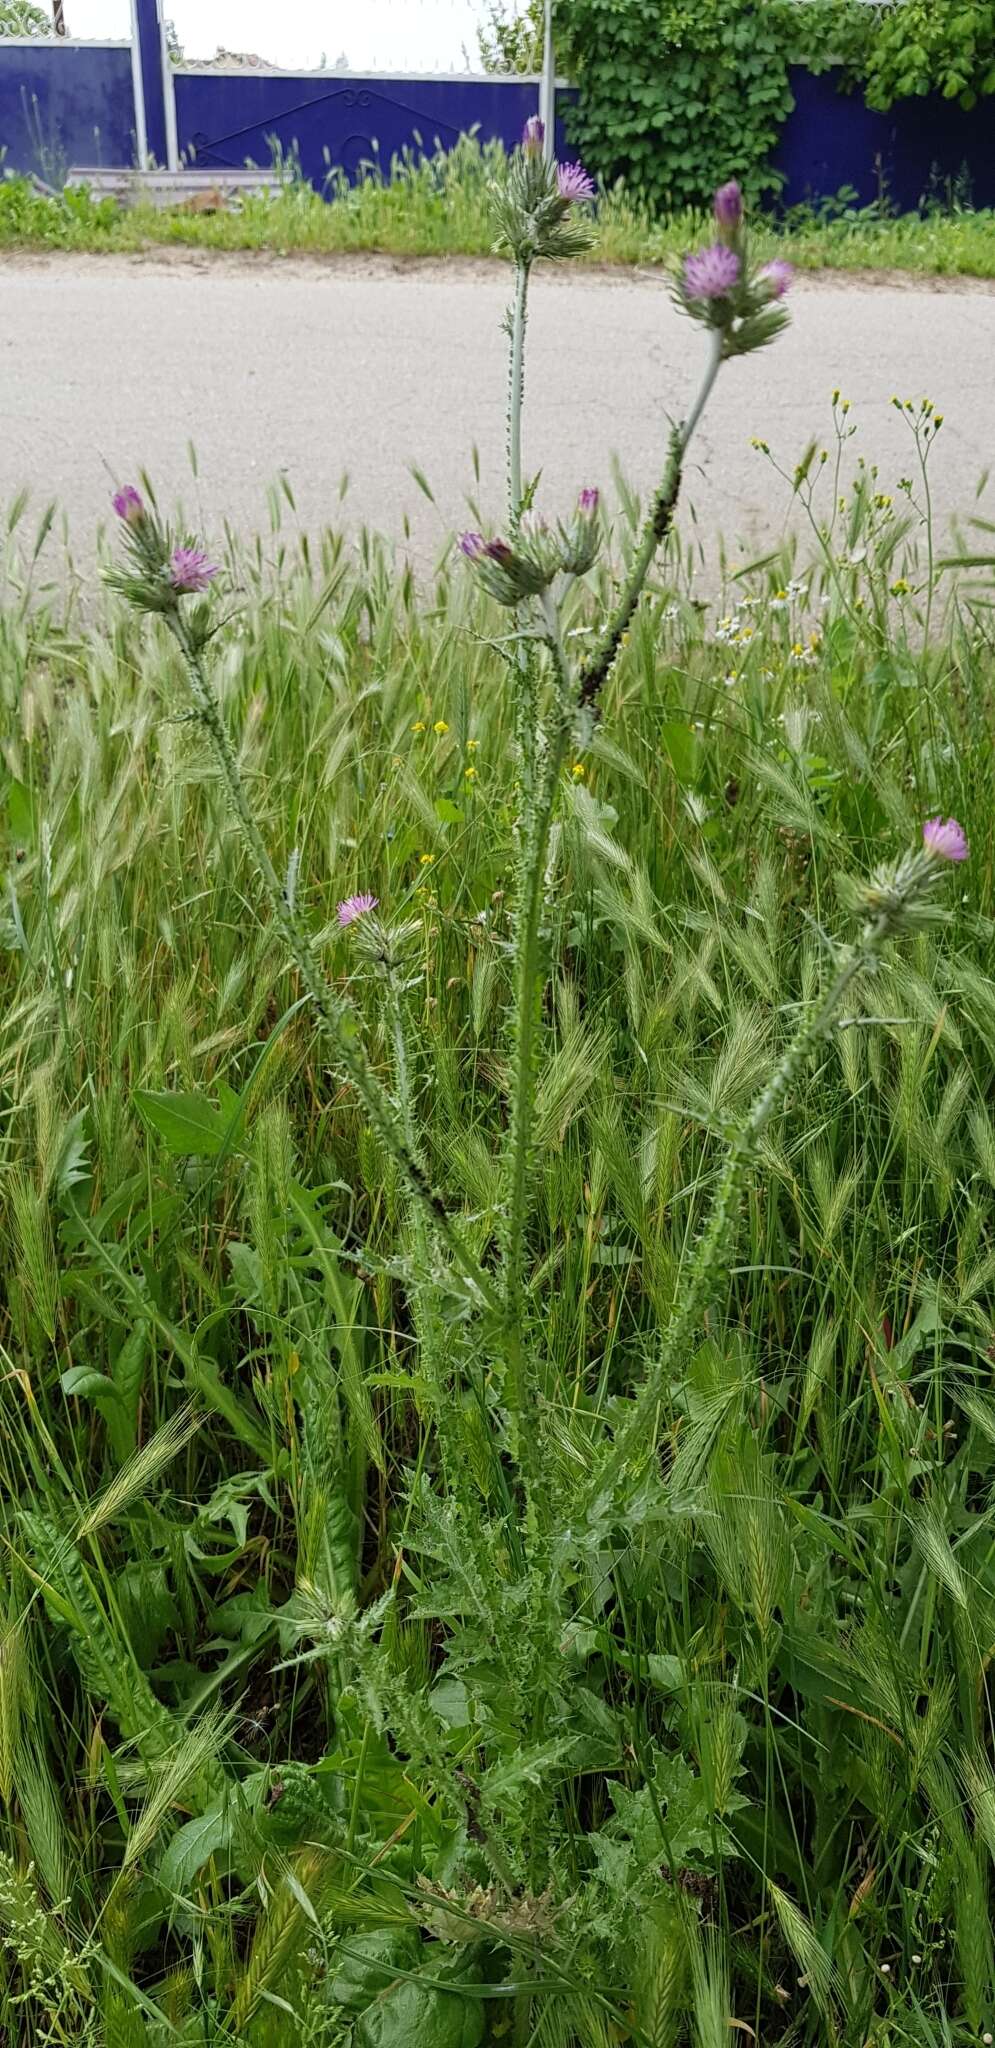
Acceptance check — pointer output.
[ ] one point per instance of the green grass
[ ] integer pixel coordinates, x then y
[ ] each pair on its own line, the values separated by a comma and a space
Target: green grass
732, 1761
437, 206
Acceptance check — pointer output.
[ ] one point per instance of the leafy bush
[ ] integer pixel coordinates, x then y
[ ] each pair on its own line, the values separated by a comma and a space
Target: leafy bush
674, 93
914, 47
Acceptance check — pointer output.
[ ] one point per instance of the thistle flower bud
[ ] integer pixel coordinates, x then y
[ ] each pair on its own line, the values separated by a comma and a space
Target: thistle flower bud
729, 210
777, 277
513, 573
129, 505
581, 539
534, 136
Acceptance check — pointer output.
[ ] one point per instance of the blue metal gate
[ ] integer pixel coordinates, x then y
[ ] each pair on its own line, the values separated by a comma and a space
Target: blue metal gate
227, 117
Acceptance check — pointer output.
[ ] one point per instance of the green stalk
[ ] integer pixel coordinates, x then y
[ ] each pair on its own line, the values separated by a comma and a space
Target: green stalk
517, 318
528, 983
661, 517
335, 1018
526, 664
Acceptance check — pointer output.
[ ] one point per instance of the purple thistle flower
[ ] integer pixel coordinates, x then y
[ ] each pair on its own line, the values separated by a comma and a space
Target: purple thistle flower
573, 182
472, 545
356, 906
729, 205
498, 551
711, 273
534, 135
190, 571
778, 277
587, 503
129, 506
945, 838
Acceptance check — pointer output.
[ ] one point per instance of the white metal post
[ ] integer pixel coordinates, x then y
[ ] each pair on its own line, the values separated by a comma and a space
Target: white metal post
141, 128
169, 97
547, 88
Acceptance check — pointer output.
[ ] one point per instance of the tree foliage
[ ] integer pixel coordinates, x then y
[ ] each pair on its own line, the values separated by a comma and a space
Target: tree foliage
511, 38
23, 18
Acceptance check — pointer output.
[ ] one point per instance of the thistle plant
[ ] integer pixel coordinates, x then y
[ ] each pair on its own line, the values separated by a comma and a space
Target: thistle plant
741, 308
519, 1622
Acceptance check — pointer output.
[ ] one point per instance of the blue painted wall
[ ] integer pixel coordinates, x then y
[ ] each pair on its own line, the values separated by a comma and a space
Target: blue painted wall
64, 103
832, 139
227, 118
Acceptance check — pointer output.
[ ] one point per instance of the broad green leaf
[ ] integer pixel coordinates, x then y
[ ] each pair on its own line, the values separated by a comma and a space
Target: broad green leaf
191, 1126
684, 751
86, 1384
192, 1846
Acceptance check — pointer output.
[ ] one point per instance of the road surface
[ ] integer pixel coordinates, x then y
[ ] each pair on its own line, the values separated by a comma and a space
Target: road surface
360, 369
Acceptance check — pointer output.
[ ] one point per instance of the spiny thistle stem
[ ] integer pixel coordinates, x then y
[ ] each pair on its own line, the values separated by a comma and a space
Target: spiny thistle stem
334, 1017
636, 1440
527, 989
598, 667
517, 319
402, 1071
526, 685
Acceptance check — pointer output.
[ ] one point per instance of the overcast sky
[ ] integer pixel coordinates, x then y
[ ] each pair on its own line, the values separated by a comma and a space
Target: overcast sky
395, 35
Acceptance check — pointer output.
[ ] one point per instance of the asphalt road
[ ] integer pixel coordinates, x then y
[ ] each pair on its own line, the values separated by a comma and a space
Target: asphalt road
322, 371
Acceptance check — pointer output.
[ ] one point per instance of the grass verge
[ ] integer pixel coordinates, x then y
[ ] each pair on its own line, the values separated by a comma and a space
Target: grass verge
437, 206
